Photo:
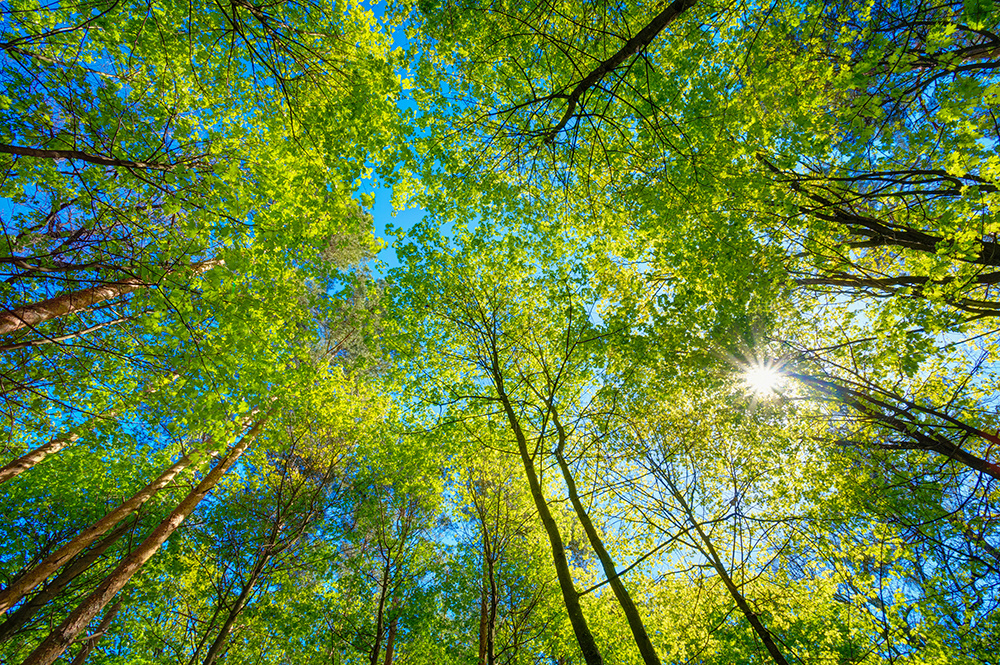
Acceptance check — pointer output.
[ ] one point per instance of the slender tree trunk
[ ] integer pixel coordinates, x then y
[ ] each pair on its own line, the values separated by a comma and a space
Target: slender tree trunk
483, 620
390, 642
33, 457
713, 556
588, 646
25, 612
635, 622
491, 619
78, 301
59, 640
380, 615
102, 628
258, 567
20, 587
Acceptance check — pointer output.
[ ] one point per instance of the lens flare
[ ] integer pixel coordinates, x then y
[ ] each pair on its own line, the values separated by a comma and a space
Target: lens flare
762, 379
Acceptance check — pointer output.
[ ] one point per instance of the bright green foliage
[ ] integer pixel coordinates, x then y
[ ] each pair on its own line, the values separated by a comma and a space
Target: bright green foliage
631, 207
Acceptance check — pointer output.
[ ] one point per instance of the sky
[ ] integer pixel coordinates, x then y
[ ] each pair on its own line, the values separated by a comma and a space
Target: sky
384, 214
382, 211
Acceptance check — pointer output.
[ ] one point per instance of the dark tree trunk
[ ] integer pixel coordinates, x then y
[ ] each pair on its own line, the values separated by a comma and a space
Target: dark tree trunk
635, 622
571, 598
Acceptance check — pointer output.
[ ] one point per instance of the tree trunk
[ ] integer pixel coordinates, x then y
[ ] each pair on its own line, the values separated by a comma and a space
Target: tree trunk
78, 301
33, 457
491, 617
59, 640
483, 620
588, 646
390, 642
635, 623
19, 588
380, 615
713, 556
81, 657
25, 612
258, 567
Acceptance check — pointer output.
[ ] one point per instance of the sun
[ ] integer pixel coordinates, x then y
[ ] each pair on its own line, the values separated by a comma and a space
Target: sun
763, 379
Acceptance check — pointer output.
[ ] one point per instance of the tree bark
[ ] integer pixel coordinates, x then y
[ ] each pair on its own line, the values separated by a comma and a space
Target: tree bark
588, 646
25, 612
635, 622
59, 640
483, 619
215, 650
33, 457
78, 301
19, 588
380, 614
102, 628
390, 642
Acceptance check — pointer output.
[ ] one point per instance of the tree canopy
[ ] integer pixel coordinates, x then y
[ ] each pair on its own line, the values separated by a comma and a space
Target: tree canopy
692, 357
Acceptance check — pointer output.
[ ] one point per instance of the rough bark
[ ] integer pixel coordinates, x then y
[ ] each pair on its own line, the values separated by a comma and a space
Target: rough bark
102, 628
59, 640
635, 622
52, 563
78, 301
23, 614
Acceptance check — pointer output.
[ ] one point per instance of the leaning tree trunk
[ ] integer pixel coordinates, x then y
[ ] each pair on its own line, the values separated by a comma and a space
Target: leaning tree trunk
81, 564
20, 587
712, 555
215, 650
32, 315
102, 628
59, 640
571, 598
33, 457
639, 633
39, 454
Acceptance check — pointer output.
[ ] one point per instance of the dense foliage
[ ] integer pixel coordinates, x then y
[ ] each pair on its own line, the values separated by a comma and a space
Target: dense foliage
691, 359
